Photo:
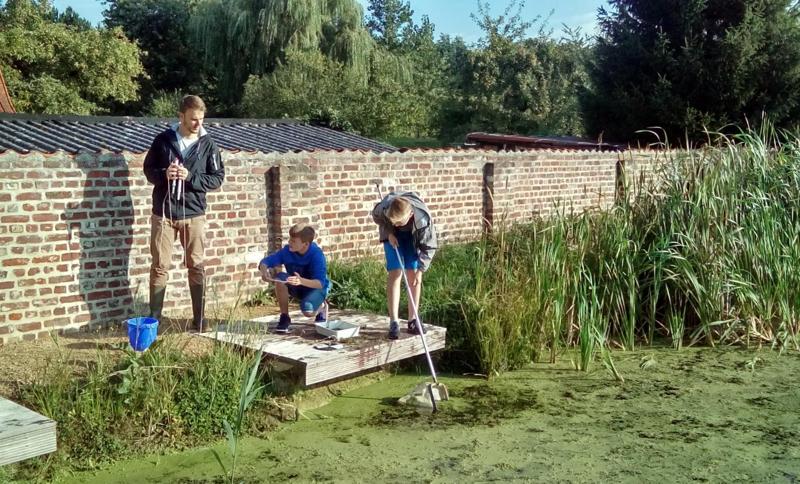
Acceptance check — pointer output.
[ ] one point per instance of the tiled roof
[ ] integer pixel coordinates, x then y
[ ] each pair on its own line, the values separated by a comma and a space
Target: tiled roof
6, 106
27, 133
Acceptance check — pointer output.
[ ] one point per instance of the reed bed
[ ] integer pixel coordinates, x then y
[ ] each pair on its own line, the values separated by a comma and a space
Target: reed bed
704, 250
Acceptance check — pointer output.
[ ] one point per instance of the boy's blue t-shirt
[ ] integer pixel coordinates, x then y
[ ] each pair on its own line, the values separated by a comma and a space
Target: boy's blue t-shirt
310, 265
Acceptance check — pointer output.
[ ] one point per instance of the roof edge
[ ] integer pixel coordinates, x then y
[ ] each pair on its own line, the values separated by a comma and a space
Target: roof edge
140, 119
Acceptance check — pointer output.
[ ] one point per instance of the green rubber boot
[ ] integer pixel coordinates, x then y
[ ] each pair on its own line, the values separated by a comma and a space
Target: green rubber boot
198, 306
157, 301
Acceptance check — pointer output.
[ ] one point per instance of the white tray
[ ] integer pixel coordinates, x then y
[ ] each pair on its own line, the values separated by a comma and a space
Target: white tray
337, 329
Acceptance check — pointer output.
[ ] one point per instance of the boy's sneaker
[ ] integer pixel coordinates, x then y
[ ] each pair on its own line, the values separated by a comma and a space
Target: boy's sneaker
414, 327
283, 324
322, 315
394, 330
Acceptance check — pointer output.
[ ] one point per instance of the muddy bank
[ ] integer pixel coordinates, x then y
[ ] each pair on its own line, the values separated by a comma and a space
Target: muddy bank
709, 415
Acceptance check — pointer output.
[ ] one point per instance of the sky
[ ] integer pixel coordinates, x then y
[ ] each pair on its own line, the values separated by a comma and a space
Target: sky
449, 16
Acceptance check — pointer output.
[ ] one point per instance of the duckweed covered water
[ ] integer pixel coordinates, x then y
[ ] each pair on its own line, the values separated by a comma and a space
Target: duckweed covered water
703, 415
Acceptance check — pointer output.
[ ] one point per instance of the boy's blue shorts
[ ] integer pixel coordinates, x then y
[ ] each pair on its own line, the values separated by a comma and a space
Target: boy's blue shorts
310, 298
405, 244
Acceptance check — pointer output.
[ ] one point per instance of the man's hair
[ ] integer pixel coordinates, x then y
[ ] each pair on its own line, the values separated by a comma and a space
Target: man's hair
192, 102
399, 210
303, 231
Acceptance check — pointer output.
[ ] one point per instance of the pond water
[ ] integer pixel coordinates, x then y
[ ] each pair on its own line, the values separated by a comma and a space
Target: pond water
713, 415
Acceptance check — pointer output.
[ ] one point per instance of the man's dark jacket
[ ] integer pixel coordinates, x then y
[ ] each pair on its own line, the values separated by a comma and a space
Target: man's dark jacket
206, 172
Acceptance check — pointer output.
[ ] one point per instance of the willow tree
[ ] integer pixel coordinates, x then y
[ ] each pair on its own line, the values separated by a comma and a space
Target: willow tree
240, 38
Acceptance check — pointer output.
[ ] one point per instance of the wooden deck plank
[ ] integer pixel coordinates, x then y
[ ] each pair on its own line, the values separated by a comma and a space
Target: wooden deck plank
24, 433
371, 349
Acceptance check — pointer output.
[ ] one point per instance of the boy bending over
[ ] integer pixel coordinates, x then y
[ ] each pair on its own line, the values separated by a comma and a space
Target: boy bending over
405, 226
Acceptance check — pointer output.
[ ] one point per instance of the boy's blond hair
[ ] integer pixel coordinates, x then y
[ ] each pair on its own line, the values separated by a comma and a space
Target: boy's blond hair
303, 231
399, 210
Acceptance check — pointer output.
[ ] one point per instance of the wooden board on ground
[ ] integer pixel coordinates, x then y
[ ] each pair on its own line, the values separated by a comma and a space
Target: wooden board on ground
24, 433
370, 349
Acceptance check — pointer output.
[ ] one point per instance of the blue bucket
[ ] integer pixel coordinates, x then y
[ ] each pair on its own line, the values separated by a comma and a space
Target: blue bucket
142, 332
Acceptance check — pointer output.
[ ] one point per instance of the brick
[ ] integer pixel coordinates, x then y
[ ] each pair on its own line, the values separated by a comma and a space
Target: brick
28, 196
15, 219
29, 239
58, 195
15, 262
25, 328
95, 296
56, 323
45, 217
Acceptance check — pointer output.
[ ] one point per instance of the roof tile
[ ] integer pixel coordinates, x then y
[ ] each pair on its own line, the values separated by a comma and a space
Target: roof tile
32, 133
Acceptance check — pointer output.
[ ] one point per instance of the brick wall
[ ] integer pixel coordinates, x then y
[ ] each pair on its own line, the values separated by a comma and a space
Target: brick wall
74, 230
638, 168
543, 182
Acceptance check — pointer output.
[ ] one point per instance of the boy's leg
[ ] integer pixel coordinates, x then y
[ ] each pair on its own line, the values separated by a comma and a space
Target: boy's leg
282, 295
393, 276
393, 293
416, 290
311, 301
410, 264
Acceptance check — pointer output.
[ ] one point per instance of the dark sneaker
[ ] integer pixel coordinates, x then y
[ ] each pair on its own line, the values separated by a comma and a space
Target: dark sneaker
283, 324
322, 315
394, 330
414, 327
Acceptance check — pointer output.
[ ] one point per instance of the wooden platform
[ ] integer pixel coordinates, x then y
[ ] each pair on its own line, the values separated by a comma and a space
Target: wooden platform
24, 433
371, 349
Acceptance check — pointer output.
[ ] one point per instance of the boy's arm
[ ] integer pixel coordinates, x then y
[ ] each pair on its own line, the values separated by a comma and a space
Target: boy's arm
378, 215
319, 269
427, 246
319, 272
271, 261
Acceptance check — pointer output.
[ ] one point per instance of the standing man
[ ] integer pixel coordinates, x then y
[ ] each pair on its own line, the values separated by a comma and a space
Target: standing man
183, 164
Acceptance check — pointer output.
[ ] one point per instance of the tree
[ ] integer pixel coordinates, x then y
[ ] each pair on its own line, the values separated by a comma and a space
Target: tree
312, 87
422, 90
171, 61
689, 65
511, 83
60, 69
240, 38
71, 17
388, 20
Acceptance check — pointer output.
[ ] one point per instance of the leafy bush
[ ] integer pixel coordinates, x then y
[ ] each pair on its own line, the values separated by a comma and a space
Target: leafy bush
208, 393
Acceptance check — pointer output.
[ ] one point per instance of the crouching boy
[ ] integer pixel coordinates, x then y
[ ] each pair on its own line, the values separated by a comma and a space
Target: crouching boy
305, 276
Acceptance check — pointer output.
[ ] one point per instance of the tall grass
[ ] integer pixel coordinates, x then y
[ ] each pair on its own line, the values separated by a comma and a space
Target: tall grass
704, 250
127, 403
